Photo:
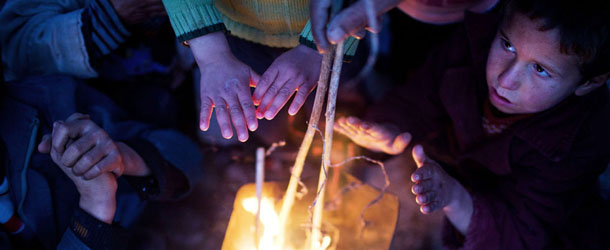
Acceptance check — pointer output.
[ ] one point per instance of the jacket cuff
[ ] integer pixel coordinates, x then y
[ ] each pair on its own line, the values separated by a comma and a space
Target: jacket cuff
306, 37
191, 19
202, 31
349, 47
165, 182
97, 234
102, 28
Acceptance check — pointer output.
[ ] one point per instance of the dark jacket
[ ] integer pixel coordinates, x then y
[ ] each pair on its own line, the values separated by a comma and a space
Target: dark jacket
46, 200
535, 186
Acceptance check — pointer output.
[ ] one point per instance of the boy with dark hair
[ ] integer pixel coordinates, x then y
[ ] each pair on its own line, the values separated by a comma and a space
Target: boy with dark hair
514, 119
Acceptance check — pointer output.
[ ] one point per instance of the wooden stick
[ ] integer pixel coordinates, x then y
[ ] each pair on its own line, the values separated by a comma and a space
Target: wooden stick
297, 169
318, 211
260, 178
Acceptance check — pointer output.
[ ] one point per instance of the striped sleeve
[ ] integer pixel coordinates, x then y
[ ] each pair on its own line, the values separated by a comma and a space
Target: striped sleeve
191, 19
349, 47
102, 29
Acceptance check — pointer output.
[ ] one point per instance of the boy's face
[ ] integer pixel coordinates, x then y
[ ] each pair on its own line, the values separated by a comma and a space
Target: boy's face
526, 72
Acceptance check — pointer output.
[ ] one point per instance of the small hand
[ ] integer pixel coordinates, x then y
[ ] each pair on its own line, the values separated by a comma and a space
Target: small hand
375, 137
350, 21
224, 86
433, 188
82, 147
137, 11
295, 70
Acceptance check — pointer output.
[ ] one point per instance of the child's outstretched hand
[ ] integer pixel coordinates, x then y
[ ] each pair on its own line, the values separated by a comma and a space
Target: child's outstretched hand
82, 146
373, 136
224, 87
433, 188
295, 70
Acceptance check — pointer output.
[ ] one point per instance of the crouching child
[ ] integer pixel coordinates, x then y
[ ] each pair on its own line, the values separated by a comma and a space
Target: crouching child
510, 125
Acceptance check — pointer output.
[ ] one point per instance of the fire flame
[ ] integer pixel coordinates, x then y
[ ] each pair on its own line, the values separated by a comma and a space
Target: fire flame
270, 220
271, 225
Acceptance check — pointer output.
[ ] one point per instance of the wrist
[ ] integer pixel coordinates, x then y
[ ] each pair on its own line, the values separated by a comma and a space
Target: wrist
100, 207
134, 164
460, 208
459, 198
307, 50
209, 48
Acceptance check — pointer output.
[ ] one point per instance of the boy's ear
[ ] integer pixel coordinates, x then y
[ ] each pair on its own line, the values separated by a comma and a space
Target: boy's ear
592, 84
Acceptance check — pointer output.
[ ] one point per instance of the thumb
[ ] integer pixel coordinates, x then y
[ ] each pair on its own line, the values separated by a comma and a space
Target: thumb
419, 156
348, 22
401, 142
45, 144
254, 78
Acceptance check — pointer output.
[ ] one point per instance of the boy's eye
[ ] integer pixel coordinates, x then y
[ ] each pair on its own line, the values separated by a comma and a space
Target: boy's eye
507, 45
540, 70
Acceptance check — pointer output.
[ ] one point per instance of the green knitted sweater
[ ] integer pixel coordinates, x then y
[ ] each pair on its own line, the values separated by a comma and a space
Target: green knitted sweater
274, 23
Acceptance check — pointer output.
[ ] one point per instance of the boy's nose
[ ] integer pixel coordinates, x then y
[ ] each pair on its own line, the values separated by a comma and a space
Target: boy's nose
510, 78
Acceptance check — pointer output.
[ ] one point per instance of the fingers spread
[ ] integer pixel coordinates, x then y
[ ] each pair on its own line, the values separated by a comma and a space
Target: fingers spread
282, 97
263, 85
271, 93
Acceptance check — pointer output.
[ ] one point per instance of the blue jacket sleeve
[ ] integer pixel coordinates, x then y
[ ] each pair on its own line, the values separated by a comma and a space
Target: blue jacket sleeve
86, 232
42, 37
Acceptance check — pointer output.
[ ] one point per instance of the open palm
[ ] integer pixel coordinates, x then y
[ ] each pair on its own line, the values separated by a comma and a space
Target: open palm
373, 136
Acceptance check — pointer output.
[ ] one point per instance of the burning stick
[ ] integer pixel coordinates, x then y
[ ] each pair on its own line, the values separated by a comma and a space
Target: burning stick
318, 211
260, 177
305, 145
